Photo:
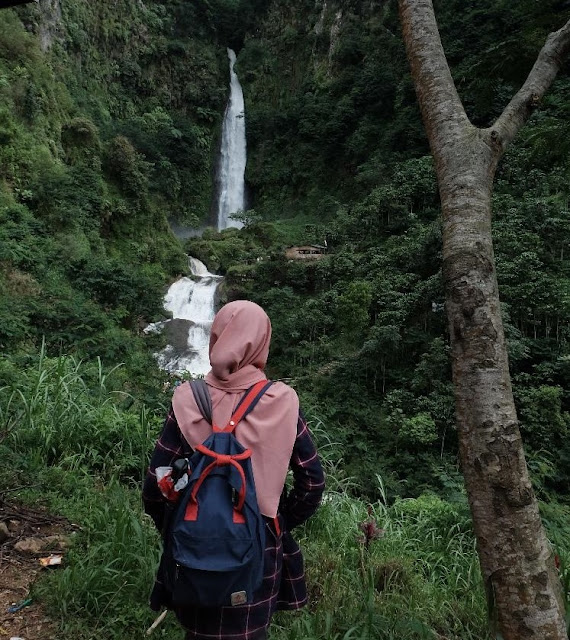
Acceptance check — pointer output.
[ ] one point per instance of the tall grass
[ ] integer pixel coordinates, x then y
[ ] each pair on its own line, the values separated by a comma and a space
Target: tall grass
102, 591
419, 580
84, 454
64, 412
67, 428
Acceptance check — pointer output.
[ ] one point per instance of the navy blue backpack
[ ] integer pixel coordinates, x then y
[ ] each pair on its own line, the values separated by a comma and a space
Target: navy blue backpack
215, 540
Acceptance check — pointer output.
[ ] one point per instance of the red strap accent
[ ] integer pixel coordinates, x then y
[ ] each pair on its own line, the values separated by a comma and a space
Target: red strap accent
201, 479
238, 415
277, 526
191, 512
239, 518
217, 456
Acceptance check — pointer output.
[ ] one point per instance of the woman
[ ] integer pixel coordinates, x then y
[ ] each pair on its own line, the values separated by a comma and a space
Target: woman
278, 438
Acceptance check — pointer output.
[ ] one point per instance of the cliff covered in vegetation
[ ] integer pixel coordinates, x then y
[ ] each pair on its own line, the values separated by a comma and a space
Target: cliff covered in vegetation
108, 120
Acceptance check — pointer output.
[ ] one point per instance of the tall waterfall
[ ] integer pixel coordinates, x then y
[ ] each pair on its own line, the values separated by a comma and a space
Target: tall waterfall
231, 196
191, 301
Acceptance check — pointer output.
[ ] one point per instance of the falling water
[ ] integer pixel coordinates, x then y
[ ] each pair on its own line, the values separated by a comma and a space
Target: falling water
233, 155
191, 302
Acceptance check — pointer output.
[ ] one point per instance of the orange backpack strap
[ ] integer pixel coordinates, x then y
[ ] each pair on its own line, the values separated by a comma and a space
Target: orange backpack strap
246, 404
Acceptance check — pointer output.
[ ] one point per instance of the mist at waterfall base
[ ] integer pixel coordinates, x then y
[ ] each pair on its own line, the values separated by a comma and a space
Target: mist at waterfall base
233, 156
191, 302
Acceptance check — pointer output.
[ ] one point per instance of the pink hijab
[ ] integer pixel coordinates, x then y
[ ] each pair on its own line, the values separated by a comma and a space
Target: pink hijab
239, 346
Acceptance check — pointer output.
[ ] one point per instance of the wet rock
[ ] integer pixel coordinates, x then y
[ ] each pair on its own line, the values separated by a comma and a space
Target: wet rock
176, 332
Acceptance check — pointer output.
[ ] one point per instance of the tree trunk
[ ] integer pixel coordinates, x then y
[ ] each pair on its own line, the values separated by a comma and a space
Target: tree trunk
516, 560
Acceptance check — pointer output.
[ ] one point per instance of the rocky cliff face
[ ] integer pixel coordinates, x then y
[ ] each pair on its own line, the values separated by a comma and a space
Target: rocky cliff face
50, 23
320, 84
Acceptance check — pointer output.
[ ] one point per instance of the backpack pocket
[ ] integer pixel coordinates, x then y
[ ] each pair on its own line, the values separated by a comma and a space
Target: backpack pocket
212, 554
203, 579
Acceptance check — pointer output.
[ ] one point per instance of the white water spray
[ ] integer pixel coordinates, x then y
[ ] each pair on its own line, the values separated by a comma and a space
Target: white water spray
191, 301
233, 155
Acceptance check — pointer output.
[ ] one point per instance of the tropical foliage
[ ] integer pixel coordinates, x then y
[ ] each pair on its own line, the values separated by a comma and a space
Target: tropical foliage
109, 123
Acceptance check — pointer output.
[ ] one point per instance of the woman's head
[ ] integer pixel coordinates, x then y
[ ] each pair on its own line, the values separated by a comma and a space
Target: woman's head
240, 336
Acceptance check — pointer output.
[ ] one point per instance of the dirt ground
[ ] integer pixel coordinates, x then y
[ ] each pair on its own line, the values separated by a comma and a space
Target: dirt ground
26, 535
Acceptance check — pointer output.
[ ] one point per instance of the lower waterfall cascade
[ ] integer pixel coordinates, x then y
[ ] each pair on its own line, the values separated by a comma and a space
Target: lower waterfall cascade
191, 300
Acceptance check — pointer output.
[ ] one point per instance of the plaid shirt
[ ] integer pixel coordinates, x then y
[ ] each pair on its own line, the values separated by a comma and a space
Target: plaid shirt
283, 585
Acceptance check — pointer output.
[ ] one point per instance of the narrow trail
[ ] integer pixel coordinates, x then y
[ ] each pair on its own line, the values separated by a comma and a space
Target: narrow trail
26, 535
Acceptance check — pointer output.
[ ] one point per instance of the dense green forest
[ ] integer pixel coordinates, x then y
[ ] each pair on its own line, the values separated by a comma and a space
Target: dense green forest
336, 147
110, 118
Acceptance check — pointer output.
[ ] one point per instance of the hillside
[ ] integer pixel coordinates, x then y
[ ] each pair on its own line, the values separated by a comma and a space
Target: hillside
108, 125
337, 153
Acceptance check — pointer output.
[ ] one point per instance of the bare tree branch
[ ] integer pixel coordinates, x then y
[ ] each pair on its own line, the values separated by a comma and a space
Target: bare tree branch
441, 106
519, 109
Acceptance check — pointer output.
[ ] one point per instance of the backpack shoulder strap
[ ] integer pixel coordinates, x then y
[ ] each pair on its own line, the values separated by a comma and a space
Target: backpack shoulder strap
247, 404
202, 397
